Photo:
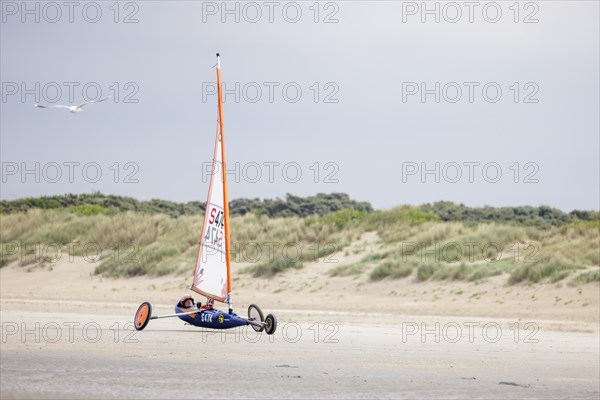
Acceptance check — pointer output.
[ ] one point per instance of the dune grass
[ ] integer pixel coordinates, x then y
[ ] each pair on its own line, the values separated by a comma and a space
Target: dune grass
130, 243
412, 242
455, 251
393, 269
347, 270
586, 277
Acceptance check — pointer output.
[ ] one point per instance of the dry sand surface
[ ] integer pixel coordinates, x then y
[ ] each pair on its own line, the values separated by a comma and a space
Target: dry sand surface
68, 334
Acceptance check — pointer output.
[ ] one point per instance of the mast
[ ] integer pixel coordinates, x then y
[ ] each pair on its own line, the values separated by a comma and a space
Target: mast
224, 175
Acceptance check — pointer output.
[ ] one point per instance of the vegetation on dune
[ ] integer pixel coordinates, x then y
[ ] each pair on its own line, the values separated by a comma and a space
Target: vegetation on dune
586, 277
440, 241
304, 240
130, 243
393, 268
459, 251
541, 217
320, 204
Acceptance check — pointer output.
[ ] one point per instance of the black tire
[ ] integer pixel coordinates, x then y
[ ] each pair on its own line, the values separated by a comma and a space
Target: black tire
254, 313
270, 324
142, 316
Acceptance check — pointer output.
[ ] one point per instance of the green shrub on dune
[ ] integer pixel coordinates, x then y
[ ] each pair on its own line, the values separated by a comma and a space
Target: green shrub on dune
89, 209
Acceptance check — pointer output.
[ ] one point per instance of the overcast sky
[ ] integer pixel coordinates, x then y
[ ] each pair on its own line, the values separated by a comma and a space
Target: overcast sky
362, 101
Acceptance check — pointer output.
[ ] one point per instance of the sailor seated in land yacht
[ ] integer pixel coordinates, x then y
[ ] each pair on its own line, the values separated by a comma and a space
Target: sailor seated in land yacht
187, 301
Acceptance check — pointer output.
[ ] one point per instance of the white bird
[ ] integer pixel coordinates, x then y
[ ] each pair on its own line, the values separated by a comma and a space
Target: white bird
72, 109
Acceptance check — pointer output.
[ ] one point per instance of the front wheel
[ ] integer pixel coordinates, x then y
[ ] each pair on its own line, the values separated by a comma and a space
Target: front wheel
270, 324
255, 314
142, 316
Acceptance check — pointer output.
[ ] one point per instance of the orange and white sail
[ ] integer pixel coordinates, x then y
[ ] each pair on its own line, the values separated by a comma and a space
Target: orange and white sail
212, 276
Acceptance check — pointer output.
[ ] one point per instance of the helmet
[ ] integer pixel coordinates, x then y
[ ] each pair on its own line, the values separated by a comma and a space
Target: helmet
184, 298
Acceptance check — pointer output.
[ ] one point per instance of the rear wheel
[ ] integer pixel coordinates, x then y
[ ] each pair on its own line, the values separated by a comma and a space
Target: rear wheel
270, 324
142, 316
255, 314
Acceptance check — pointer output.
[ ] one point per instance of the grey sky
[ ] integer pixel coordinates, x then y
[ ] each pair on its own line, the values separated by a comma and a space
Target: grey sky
361, 144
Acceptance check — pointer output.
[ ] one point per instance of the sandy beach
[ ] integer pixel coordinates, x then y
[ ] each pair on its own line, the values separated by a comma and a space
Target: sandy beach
67, 333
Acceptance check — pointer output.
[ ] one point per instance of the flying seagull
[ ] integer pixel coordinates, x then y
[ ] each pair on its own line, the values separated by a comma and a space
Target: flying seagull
73, 109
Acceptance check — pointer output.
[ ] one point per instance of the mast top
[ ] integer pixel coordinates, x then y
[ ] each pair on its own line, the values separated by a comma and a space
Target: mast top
218, 61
